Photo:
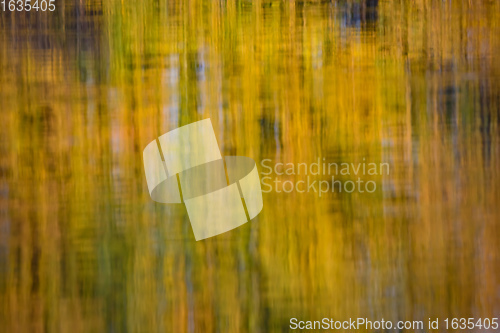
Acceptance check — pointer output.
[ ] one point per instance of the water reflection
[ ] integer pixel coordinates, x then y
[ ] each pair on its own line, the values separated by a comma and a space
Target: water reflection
86, 88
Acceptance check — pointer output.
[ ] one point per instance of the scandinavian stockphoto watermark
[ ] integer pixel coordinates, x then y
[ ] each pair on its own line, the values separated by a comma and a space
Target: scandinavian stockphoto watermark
321, 176
365, 324
185, 166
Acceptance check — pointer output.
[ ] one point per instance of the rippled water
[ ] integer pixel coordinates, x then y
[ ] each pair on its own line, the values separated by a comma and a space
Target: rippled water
415, 84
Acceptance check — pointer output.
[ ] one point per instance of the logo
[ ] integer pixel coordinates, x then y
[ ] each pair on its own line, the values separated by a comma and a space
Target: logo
185, 166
